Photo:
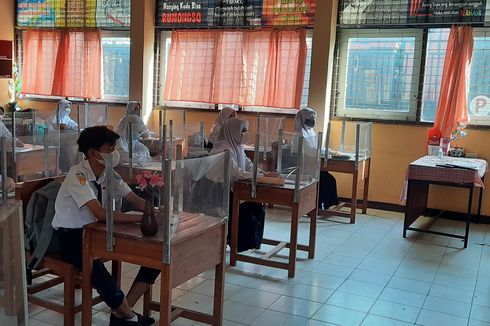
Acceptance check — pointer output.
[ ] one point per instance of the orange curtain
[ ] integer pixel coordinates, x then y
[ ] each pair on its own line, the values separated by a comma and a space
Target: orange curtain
62, 63
452, 111
261, 68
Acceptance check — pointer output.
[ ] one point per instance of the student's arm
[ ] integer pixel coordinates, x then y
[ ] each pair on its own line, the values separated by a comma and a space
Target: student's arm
100, 213
135, 201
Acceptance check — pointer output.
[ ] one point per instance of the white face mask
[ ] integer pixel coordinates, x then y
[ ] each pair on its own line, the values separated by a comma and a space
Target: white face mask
68, 110
116, 157
245, 137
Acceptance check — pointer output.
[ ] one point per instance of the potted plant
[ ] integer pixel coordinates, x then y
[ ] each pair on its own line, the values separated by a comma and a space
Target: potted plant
15, 88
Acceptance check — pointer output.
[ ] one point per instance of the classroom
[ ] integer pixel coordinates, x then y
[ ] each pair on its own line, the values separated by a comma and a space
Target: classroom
244, 162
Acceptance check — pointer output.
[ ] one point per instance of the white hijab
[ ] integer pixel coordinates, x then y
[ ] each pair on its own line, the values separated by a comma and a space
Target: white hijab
302, 129
229, 139
63, 105
223, 116
139, 129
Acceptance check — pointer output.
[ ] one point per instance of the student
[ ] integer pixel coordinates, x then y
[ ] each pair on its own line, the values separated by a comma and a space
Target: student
10, 184
80, 201
140, 151
225, 114
232, 135
4, 132
305, 121
64, 109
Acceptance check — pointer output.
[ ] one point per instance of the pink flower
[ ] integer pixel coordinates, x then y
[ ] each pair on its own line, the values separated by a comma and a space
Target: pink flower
156, 181
141, 180
147, 174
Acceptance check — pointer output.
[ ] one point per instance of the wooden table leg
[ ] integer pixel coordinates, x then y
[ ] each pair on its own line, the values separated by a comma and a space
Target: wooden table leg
219, 278
8, 294
235, 216
147, 297
165, 296
86, 280
353, 205
311, 245
366, 187
293, 242
468, 217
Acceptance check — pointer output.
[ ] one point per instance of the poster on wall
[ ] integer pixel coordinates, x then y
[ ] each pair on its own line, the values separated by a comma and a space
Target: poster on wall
385, 12
73, 13
238, 13
182, 13
36, 13
113, 13
288, 12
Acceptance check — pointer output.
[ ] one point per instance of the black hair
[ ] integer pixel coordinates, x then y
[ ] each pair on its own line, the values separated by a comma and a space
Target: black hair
95, 137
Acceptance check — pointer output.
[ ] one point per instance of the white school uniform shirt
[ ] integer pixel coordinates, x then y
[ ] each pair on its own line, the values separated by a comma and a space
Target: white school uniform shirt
78, 189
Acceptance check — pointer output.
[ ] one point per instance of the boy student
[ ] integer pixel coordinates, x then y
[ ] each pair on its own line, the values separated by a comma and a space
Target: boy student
80, 201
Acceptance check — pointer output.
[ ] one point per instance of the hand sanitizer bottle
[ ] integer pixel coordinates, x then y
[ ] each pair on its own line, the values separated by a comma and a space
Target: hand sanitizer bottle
440, 154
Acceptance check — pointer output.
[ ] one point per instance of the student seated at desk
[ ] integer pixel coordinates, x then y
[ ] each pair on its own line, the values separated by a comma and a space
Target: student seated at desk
140, 151
79, 202
4, 132
10, 184
64, 109
223, 116
232, 135
304, 123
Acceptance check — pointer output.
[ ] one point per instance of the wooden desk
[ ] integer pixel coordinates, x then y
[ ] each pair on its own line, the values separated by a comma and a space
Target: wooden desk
358, 170
155, 147
306, 205
197, 245
13, 262
424, 172
30, 160
270, 161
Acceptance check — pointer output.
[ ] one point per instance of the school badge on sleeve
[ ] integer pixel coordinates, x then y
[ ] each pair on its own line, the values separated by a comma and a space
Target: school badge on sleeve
81, 178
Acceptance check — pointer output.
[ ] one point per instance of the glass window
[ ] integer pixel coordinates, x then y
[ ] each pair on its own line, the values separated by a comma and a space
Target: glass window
115, 67
378, 73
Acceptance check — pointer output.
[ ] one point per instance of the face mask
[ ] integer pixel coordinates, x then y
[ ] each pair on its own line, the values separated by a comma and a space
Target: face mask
310, 123
115, 158
244, 138
67, 110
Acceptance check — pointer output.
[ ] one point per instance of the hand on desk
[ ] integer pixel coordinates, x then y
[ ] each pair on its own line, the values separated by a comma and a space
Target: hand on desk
19, 143
10, 185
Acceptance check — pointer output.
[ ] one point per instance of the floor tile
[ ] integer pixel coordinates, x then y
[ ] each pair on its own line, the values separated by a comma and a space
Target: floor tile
373, 320
395, 311
409, 284
296, 306
403, 297
430, 318
351, 301
241, 313
271, 317
481, 313
308, 292
446, 292
361, 288
447, 306
339, 316
254, 297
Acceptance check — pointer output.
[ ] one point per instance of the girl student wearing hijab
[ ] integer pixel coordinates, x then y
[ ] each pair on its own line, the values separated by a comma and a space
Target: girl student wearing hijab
232, 135
305, 121
64, 109
225, 114
140, 151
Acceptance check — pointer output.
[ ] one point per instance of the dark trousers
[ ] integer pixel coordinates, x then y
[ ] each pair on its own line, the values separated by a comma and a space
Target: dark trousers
71, 241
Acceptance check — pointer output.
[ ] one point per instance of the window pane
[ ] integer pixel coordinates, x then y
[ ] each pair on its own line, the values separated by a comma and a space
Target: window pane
379, 73
306, 84
115, 52
434, 64
479, 84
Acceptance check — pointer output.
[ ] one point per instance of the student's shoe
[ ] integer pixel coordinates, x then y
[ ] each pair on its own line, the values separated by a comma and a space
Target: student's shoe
145, 321
115, 321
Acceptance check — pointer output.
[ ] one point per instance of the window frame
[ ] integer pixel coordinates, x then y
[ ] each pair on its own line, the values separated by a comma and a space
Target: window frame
342, 44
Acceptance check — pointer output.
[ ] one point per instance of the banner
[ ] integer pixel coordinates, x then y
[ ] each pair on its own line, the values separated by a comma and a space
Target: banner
288, 12
413, 12
238, 13
182, 13
73, 13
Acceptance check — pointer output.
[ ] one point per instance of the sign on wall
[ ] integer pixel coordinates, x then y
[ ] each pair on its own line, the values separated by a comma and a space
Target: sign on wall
399, 12
238, 13
73, 13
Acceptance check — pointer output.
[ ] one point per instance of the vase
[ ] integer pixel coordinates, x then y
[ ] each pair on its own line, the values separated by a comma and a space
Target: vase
149, 224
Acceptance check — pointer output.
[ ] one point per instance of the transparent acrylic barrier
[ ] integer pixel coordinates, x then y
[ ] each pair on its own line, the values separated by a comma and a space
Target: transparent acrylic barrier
13, 296
37, 145
352, 136
264, 125
199, 192
191, 137
90, 114
7, 187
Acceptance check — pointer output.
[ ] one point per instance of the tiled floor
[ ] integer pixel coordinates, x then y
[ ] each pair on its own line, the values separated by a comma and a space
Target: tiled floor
362, 274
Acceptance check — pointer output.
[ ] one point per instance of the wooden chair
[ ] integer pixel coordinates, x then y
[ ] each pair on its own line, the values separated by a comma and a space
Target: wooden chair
52, 264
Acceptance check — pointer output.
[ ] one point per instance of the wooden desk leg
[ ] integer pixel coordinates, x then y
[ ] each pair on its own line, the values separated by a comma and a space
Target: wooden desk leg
165, 296
86, 280
468, 217
366, 190
8, 294
293, 242
147, 297
219, 278
353, 205
235, 216
311, 245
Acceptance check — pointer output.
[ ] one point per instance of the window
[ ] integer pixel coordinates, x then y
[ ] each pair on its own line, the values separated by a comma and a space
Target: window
162, 51
115, 65
479, 84
378, 73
